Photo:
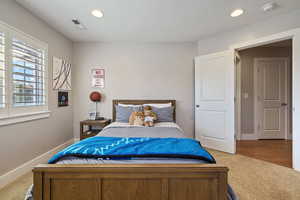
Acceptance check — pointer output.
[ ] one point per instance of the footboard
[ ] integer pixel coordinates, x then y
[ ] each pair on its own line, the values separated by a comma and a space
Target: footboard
130, 182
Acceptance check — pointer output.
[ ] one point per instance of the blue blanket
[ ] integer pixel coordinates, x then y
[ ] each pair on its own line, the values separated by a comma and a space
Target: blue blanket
128, 148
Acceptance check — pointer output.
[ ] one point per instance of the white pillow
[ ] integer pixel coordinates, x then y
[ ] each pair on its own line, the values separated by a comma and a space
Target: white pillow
159, 105
128, 105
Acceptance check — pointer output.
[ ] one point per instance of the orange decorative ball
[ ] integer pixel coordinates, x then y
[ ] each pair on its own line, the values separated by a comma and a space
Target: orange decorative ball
95, 96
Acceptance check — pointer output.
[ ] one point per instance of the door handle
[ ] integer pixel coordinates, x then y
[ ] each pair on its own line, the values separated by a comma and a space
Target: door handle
197, 106
284, 104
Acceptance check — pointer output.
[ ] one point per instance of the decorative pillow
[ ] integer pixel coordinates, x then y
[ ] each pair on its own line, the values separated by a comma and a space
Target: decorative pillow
164, 114
123, 112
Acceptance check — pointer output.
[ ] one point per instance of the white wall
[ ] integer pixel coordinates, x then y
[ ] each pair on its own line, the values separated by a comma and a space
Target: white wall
136, 71
296, 101
24, 141
223, 41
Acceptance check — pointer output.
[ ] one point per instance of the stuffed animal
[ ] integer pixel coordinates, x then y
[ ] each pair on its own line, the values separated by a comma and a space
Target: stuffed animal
137, 118
150, 116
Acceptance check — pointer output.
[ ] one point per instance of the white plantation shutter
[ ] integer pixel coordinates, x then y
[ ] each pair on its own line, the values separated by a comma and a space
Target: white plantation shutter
23, 76
28, 75
2, 71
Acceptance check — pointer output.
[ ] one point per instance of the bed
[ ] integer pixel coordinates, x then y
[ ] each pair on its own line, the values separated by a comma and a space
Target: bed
138, 178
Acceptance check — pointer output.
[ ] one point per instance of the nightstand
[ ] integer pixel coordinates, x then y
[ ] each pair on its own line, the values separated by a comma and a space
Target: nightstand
90, 128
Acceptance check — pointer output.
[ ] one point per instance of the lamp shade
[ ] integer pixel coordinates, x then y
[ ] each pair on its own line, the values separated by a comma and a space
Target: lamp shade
95, 96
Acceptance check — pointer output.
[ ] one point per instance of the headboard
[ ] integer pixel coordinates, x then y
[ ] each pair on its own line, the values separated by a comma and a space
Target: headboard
141, 102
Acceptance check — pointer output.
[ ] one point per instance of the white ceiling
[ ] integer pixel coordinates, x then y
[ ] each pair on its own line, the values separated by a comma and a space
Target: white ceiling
150, 20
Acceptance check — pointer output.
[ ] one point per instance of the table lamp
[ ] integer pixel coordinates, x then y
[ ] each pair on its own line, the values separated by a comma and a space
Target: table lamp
96, 97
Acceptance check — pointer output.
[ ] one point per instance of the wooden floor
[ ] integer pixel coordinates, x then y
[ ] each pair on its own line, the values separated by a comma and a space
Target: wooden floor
274, 151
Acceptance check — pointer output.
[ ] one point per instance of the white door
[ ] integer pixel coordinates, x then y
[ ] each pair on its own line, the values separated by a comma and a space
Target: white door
271, 98
214, 100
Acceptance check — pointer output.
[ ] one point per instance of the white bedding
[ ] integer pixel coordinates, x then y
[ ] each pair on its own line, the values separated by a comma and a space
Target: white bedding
160, 130
159, 124
156, 125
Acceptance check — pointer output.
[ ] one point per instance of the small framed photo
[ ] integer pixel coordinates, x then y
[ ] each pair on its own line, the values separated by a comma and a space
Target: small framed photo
92, 115
63, 99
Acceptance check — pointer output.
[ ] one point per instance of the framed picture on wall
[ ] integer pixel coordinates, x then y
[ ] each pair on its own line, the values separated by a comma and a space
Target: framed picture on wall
61, 74
63, 99
98, 78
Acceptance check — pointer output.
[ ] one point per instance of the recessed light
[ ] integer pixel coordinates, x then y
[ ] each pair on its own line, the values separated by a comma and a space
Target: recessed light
97, 13
237, 12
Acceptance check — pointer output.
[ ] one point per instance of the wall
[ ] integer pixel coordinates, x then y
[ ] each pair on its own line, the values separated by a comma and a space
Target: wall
25, 141
136, 71
247, 80
223, 41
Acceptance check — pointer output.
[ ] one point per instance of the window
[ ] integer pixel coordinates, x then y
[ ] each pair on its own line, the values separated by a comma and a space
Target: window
23, 74
27, 75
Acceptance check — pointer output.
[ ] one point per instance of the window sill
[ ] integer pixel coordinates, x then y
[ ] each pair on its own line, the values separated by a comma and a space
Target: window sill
19, 118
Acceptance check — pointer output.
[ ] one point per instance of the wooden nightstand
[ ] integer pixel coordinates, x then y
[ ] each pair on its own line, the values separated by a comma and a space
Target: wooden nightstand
87, 130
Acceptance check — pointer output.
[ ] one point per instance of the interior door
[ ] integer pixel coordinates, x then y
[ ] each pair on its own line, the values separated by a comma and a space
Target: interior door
214, 100
272, 102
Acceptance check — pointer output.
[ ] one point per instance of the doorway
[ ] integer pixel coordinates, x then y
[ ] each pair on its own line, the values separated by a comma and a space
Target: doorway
264, 88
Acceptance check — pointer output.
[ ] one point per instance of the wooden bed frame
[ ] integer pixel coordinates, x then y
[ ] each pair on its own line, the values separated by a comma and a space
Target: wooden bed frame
141, 102
131, 181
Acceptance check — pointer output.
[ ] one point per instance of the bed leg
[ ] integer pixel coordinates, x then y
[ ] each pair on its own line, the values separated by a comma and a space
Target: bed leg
38, 186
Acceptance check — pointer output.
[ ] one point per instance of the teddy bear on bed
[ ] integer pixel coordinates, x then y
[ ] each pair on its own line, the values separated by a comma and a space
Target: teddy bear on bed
149, 116
137, 118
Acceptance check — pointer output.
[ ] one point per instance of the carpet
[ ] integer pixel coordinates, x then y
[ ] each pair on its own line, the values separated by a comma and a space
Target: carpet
250, 178
17, 189
254, 179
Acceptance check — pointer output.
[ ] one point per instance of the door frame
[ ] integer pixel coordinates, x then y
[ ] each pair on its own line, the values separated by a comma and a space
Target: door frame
238, 94
293, 34
257, 117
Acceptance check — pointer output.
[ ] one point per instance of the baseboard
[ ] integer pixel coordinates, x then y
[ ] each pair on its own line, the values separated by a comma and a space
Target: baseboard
248, 136
28, 166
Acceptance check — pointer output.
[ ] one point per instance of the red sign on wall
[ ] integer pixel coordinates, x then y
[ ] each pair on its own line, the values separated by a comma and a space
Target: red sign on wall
98, 78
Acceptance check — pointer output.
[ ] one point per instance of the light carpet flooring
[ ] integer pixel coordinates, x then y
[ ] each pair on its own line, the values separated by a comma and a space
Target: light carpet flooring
250, 178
